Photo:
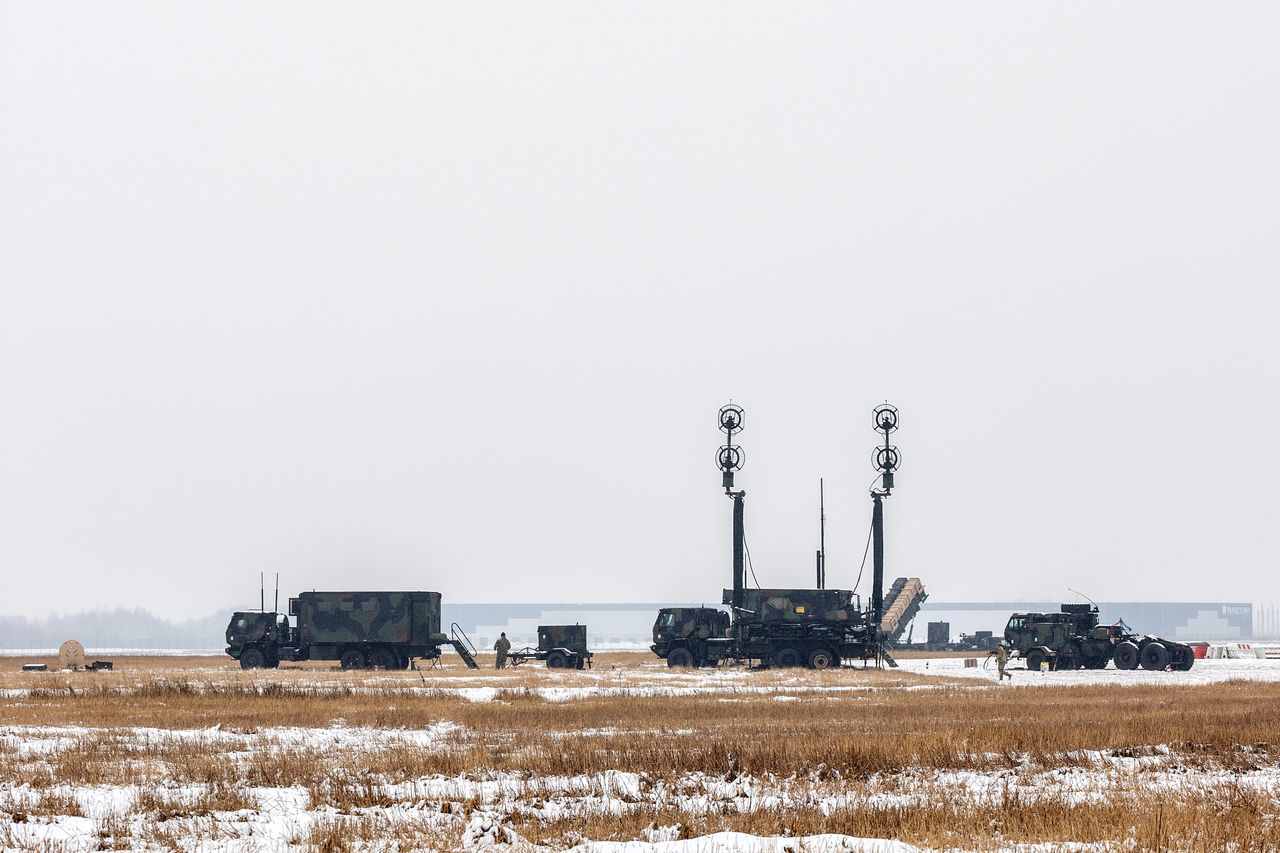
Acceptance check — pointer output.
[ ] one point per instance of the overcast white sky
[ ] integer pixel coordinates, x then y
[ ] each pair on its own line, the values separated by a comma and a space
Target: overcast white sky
446, 296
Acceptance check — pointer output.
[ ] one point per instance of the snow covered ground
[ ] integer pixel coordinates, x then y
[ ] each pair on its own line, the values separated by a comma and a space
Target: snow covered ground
1203, 672
484, 809
475, 810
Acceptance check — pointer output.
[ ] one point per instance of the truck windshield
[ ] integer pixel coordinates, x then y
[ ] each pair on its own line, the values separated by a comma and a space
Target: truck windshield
667, 620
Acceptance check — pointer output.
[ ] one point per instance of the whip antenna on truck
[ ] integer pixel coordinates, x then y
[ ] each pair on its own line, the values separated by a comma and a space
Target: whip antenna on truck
1082, 595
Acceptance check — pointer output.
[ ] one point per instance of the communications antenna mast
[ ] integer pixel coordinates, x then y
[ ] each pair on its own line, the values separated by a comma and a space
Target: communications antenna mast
821, 557
730, 458
886, 460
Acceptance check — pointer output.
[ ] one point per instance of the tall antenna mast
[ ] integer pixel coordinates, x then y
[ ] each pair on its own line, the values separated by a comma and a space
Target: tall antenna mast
886, 460
730, 458
276, 606
262, 591
821, 556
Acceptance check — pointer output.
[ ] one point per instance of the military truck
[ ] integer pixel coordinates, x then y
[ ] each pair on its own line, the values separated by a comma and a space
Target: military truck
358, 629
561, 646
818, 628
692, 636
1073, 639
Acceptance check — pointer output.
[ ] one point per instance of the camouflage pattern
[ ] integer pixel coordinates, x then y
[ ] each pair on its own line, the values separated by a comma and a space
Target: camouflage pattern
690, 623
248, 627
1073, 638
260, 634
699, 636
367, 617
361, 629
571, 637
797, 605
560, 646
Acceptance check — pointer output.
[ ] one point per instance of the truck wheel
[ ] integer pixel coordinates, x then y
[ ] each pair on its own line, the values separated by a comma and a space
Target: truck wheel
1035, 657
386, 658
352, 659
822, 659
1155, 657
252, 659
1188, 661
785, 657
556, 660
680, 659
1125, 655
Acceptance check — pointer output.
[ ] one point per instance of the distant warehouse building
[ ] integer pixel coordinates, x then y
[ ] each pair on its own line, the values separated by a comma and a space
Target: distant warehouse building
1178, 620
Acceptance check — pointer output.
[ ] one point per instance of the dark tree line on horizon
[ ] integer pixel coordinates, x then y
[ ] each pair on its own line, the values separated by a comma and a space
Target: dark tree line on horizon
118, 628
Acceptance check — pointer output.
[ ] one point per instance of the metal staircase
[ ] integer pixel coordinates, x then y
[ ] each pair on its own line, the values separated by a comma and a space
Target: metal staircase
463, 646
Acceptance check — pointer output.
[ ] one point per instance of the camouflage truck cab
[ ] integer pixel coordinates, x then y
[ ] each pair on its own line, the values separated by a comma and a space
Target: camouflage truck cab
254, 638
561, 646
691, 636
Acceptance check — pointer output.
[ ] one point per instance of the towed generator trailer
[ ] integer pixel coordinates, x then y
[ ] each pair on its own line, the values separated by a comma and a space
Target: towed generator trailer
561, 646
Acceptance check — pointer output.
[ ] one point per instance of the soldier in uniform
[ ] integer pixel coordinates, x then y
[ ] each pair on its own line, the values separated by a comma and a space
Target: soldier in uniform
1002, 659
502, 647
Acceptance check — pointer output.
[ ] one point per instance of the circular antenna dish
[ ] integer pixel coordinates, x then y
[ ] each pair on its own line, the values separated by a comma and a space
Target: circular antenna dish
730, 458
71, 655
886, 459
885, 418
731, 418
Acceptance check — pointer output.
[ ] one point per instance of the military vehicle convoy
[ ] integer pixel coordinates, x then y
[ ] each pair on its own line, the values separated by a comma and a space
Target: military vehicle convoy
561, 646
358, 629
1073, 639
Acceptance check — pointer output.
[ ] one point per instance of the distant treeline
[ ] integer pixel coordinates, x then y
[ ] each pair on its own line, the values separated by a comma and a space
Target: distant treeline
121, 628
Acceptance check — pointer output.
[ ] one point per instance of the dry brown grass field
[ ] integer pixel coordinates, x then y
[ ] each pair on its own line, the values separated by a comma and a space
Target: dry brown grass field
402, 760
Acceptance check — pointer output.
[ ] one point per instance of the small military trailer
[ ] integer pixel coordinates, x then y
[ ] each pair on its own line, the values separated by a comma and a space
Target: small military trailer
561, 646
1073, 639
818, 628
358, 629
